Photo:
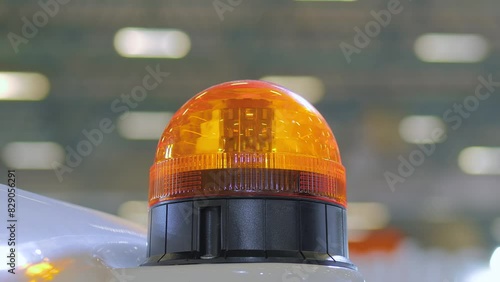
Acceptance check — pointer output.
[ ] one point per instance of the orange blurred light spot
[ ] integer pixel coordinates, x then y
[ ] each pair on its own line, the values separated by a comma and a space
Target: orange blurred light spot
43, 271
385, 240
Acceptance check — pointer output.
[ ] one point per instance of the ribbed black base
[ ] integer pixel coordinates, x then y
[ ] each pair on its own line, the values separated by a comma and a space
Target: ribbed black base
235, 230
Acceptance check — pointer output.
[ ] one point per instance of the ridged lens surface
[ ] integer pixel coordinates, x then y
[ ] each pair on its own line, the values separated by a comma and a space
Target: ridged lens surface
247, 138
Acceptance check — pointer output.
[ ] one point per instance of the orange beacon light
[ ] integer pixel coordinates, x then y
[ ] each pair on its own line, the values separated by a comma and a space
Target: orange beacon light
247, 171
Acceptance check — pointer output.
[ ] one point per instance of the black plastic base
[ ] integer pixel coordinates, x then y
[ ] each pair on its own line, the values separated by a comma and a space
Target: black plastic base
235, 230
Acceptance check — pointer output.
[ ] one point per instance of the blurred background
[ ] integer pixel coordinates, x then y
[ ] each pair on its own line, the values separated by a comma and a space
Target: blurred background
410, 89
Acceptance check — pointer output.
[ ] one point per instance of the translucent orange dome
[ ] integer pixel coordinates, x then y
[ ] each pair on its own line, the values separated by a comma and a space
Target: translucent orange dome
247, 138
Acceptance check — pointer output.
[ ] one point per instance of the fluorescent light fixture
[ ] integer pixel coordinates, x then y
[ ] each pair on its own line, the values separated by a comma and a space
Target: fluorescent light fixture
451, 48
480, 160
422, 129
309, 87
367, 216
32, 155
136, 211
143, 125
134, 42
27, 86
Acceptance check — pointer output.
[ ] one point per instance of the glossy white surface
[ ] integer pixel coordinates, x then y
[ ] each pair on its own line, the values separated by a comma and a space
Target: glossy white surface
65, 235
265, 272
57, 241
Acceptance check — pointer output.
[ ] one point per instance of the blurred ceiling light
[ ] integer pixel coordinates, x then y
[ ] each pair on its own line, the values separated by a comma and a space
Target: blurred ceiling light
495, 260
134, 42
422, 129
451, 48
32, 155
136, 211
23, 86
480, 160
22, 262
143, 125
367, 216
309, 87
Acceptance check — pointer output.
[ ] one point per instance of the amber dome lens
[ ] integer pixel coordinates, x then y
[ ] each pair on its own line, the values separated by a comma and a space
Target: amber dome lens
245, 139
